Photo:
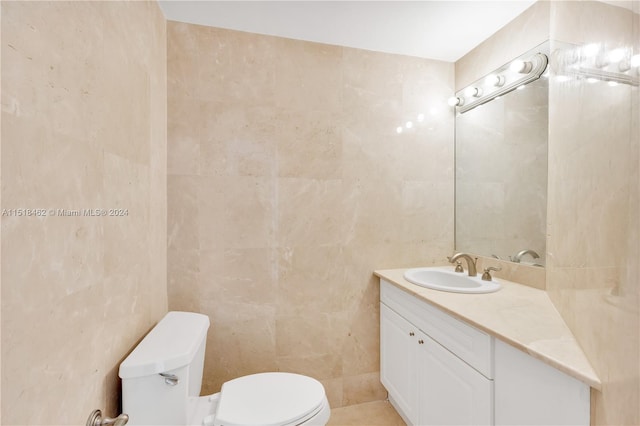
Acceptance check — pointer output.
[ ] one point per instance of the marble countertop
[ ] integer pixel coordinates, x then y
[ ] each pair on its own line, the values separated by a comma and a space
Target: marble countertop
517, 314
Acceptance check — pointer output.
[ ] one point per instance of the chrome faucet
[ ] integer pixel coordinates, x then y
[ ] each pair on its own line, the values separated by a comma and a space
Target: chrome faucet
471, 262
518, 257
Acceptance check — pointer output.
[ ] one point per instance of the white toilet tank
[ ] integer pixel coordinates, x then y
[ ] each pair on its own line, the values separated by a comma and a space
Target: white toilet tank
163, 374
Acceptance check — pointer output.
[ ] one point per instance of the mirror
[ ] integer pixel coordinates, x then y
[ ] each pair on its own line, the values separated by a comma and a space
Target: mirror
501, 175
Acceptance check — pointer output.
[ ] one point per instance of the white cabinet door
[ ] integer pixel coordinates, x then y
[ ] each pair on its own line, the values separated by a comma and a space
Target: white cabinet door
397, 360
451, 392
530, 392
428, 384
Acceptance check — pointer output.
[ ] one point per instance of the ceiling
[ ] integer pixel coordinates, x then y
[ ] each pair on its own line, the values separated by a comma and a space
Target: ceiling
443, 30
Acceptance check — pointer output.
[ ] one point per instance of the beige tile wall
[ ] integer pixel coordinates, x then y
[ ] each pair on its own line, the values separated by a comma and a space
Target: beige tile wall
83, 127
593, 211
288, 185
527, 30
592, 245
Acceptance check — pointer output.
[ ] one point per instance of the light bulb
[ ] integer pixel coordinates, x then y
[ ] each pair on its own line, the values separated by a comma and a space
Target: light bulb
433, 111
601, 61
408, 125
472, 92
421, 117
516, 65
495, 80
624, 66
569, 56
399, 129
455, 101
617, 55
590, 50
520, 66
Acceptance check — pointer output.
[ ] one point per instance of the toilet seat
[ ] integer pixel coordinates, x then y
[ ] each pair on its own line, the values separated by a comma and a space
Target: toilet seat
269, 399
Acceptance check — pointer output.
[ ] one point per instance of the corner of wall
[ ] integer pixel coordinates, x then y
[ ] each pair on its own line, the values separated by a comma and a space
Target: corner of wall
526, 31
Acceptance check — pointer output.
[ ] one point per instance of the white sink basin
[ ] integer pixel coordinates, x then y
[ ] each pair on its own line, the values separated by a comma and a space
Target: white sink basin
445, 279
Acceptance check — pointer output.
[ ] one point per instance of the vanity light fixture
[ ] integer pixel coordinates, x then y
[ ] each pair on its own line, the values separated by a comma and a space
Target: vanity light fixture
511, 77
596, 63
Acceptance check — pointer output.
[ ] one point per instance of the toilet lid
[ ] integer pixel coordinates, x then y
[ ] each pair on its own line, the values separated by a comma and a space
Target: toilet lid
268, 399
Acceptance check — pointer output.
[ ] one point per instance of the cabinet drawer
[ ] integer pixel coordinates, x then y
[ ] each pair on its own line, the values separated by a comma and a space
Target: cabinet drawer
468, 343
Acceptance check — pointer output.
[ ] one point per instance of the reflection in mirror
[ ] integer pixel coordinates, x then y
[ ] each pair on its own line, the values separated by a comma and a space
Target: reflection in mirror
501, 175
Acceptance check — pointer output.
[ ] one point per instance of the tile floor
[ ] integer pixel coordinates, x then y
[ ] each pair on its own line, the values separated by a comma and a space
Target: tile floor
376, 413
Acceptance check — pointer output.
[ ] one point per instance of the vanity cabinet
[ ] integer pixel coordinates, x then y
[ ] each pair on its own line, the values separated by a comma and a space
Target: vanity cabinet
428, 384
439, 370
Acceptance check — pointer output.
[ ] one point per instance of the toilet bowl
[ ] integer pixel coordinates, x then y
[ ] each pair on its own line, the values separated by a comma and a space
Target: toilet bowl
162, 376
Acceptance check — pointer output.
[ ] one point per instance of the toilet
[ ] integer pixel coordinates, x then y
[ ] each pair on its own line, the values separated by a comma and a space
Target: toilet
161, 382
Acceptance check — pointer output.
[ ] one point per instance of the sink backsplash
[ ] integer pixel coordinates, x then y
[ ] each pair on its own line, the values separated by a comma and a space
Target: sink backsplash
532, 276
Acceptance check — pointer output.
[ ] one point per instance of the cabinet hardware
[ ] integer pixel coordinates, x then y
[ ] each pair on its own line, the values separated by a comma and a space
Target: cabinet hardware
421, 341
411, 333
